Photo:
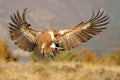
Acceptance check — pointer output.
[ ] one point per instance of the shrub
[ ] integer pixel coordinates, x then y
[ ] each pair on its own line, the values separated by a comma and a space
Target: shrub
5, 52
88, 56
35, 58
61, 56
85, 55
115, 57
105, 58
68, 56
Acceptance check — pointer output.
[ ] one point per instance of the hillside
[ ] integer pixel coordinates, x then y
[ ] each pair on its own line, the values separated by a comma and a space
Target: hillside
57, 71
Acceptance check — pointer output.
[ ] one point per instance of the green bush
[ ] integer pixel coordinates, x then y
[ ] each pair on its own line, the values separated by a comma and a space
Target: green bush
61, 56
35, 58
68, 56
84, 55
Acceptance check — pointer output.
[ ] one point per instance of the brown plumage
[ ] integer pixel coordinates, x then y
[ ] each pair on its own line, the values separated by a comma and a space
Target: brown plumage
49, 42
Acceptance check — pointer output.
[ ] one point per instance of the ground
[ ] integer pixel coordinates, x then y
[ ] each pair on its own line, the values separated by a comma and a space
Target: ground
57, 71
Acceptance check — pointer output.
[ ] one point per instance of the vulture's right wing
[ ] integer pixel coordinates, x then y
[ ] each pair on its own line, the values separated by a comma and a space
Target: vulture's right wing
21, 33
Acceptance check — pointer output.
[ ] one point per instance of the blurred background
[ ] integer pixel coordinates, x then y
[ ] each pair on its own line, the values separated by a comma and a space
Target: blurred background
62, 14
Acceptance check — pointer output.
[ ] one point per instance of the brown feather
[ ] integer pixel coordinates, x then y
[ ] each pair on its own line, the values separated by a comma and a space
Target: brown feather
19, 17
103, 20
64, 45
100, 15
23, 15
96, 29
92, 15
76, 41
89, 31
69, 43
21, 38
81, 37
14, 21
101, 24
12, 29
12, 25
18, 40
15, 33
72, 43
96, 15
87, 35
17, 20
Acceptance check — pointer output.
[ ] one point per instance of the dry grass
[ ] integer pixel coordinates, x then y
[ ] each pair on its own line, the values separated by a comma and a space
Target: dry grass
57, 71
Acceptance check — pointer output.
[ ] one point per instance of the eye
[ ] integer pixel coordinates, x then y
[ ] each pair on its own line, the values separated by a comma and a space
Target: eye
28, 24
56, 34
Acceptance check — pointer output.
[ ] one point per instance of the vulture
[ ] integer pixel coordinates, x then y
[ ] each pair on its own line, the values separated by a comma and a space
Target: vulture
50, 41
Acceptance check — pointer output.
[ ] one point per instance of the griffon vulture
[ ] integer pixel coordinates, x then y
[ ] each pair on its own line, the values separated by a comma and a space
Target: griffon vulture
49, 41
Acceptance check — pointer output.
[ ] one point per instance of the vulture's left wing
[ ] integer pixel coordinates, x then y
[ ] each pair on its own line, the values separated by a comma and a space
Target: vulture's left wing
82, 32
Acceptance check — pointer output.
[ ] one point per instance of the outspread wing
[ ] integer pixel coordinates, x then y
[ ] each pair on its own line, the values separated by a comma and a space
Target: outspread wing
21, 33
82, 32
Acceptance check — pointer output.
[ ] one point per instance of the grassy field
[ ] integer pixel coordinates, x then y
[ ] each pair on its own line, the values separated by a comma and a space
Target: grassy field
57, 71
68, 65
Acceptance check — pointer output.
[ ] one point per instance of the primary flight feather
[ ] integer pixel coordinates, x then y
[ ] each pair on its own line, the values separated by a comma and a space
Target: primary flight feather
48, 42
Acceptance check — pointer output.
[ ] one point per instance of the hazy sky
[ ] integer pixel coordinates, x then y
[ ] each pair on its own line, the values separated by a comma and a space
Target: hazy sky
62, 14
